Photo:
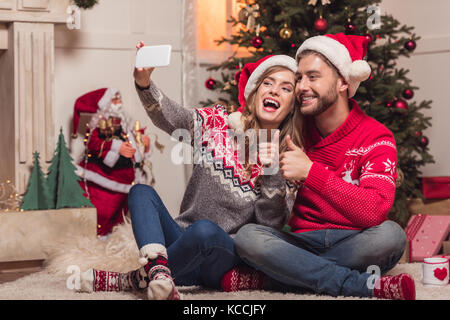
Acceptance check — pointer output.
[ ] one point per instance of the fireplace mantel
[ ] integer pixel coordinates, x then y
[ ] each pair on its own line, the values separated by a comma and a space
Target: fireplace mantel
46, 11
27, 84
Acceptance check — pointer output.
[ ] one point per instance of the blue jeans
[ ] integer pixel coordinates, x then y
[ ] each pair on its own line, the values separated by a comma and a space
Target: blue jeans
332, 262
199, 255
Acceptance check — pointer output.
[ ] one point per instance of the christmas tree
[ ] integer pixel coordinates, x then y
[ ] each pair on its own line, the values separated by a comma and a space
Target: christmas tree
279, 27
65, 191
37, 196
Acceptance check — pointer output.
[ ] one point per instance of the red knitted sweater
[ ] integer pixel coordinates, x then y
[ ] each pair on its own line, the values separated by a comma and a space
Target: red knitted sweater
351, 184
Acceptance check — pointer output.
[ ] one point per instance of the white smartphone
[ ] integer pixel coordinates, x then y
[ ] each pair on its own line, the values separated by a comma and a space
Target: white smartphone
153, 56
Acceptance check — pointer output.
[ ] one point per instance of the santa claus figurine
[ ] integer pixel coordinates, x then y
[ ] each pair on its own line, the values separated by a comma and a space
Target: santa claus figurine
116, 156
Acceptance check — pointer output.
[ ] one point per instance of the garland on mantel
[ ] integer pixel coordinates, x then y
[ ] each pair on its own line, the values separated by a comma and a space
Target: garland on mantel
85, 4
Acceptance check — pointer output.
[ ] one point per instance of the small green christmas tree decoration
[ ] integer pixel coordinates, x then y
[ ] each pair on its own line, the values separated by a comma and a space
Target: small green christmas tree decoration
65, 191
37, 196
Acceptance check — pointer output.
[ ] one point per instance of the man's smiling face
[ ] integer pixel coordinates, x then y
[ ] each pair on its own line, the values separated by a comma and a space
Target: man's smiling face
316, 85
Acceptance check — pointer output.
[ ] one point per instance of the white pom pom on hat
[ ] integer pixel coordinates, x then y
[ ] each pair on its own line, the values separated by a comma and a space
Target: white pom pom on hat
360, 70
345, 52
235, 121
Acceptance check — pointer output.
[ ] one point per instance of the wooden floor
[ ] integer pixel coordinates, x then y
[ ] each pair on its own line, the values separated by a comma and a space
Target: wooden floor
11, 271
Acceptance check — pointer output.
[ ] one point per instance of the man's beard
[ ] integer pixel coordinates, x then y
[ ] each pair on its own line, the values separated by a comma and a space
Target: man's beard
323, 103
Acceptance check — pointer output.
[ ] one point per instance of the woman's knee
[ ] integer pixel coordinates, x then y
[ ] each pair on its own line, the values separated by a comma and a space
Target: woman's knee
140, 190
138, 200
206, 230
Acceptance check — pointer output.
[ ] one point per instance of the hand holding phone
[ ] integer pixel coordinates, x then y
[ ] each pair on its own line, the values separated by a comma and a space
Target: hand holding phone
142, 74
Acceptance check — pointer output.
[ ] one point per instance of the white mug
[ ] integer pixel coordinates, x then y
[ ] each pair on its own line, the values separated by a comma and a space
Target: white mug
435, 272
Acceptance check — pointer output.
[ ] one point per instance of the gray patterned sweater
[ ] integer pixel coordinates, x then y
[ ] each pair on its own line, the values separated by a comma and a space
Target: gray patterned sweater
218, 190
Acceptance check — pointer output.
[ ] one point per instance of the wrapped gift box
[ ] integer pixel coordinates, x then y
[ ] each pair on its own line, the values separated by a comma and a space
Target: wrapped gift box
426, 234
436, 187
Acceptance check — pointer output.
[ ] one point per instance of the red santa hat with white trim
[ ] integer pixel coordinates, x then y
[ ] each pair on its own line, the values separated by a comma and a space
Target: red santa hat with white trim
91, 102
248, 80
346, 53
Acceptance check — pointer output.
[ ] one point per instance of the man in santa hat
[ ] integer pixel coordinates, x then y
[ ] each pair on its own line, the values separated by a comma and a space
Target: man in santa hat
116, 156
339, 227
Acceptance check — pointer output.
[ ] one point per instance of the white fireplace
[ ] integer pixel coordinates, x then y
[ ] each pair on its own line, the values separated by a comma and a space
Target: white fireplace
27, 84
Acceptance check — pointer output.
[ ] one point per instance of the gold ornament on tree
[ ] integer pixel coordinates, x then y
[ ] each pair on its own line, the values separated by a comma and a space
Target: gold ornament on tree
314, 2
285, 32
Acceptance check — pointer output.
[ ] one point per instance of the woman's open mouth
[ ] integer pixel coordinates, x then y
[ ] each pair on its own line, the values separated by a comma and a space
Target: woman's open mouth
270, 105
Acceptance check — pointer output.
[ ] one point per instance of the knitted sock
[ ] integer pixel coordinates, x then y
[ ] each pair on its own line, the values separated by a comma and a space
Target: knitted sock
95, 280
158, 275
243, 278
99, 281
154, 275
399, 287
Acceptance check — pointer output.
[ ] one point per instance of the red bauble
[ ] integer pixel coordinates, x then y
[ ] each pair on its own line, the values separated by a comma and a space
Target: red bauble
424, 142
369, 38
401, 104
389, 104
210, 84
408, 94
257, 42
321, 25
350, 27
410, 45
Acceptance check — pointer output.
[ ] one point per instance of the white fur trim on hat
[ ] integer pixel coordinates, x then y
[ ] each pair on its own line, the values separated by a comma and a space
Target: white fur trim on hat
353, 72
105, 101
333, 50
278, 60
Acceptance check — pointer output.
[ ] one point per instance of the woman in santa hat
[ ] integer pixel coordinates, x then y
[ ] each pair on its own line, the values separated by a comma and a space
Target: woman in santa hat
223, 194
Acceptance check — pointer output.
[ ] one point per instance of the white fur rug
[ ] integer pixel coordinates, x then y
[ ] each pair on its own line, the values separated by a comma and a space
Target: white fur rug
119, 253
